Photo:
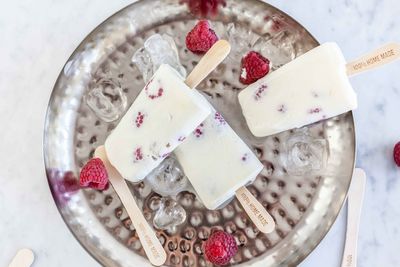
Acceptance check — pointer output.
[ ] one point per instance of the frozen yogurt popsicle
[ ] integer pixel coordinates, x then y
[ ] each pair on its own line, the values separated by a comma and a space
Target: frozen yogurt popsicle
312, 87
216, 161
162, 116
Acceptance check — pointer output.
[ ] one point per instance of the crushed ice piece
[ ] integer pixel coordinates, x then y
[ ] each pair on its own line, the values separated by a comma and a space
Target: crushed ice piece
304, 153
279, 49
241, 39
169, 215
168, 178
157, 50
106, 99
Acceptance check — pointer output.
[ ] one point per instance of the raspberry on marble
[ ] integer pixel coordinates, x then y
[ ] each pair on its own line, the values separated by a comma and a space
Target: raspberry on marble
396, 154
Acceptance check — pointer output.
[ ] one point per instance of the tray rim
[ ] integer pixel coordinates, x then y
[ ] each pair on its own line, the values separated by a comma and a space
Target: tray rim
301, 258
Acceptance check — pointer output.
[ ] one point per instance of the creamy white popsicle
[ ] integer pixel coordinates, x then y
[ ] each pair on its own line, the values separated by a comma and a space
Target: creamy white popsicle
312, 87
216, 161
165, 112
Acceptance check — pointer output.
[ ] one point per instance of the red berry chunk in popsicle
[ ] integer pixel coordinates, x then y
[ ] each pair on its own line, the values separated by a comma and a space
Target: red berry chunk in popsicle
260, 91
138, 154
218, 117
139, 119
199, 130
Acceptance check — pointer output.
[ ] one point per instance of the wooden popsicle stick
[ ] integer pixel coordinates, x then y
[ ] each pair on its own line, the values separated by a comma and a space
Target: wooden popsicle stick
151, 244
257, 213
377, 58
214, 56
354, 205
23, 258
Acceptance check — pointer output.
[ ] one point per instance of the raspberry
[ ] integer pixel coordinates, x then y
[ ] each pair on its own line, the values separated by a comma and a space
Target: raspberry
199, 130
138, 154
94, 175
396, 154
260, 91
201, 38
139, 119
282, 108
315, 110
254, 66
152, 95
69, 183
279, 23
218, 117
220, 248
204, 7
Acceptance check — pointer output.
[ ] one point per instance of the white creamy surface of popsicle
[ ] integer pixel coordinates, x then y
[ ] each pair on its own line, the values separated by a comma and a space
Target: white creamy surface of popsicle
165, 112
216, 161
313, 87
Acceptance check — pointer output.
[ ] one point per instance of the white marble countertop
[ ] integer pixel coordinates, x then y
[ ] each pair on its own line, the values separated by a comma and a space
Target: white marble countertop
37, 37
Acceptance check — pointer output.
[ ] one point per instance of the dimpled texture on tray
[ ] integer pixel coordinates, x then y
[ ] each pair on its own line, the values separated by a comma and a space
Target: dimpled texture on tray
304, 206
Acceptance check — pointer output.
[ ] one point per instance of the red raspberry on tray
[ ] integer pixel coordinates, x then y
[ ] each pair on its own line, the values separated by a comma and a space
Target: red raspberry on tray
201, 38
254, 67
94, 175
204, 7
396, 154
220, 248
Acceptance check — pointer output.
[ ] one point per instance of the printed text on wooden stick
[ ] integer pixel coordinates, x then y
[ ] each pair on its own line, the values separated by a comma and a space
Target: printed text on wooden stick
148, 240
254, 209
256, 212
377, 58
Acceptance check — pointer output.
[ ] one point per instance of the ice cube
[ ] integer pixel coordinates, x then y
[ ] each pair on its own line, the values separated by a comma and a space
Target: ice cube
304, 153
278, 49
158, 49
169, 215
168, 178
142, 60
242, 38
107, 99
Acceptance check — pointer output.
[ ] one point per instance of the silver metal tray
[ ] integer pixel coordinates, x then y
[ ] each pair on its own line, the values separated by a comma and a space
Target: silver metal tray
304, 204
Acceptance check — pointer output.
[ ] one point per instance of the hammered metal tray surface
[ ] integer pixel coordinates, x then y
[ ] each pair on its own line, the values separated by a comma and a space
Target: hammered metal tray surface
303, 206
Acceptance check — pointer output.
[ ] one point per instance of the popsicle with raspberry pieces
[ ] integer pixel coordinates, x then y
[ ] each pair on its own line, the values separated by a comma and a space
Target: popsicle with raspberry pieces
219, 165
312, 87
165, 112
228, 162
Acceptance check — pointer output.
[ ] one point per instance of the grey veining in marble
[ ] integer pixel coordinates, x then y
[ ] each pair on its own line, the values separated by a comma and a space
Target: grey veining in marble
37, 37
